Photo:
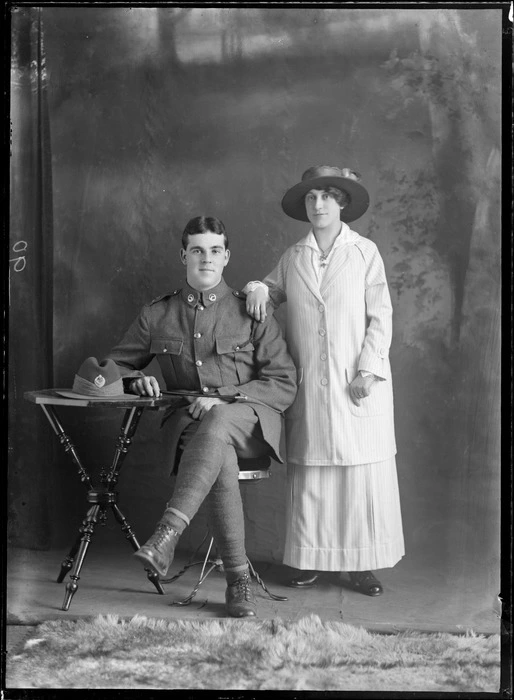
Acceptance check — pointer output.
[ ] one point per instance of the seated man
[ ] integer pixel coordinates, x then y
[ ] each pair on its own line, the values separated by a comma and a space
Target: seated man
205, 342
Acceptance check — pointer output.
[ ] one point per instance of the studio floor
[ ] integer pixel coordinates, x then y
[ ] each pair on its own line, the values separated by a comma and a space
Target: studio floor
113, 582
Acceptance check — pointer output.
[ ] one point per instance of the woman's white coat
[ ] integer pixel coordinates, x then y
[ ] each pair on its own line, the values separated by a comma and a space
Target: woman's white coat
334, 329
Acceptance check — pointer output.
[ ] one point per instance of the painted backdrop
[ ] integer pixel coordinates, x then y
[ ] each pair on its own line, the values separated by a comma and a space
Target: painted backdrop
160, 114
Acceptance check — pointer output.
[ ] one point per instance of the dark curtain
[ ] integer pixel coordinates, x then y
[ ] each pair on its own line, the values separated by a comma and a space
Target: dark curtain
30, 285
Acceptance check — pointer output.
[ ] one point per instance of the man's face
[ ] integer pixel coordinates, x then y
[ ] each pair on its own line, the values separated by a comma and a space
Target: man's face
322, 209
204, 258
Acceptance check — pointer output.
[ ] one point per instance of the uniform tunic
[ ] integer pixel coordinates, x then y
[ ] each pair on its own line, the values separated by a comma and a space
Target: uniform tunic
343, 510
206, 342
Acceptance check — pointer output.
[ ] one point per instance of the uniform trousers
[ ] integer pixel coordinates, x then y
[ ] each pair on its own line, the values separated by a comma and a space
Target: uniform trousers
208, 470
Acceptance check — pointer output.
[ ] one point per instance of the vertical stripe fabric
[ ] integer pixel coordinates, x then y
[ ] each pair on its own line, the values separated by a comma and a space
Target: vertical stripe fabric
343, 511
343, 518
335, 327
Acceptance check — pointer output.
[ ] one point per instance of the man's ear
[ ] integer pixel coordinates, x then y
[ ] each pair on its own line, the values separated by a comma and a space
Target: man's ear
227, 257
183, 255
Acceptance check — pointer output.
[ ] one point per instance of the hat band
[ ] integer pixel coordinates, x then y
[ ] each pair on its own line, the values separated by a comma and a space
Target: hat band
82, 386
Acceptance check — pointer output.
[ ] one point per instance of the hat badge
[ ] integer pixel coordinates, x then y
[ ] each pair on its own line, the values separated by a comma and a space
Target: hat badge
99, 381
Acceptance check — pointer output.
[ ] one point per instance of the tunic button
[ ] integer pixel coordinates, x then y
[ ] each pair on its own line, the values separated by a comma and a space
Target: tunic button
324, 381
165, 349
197, 335
200, 308
323, 356
212, 297
322, 331
205, 390
321, 308
190, 298
198, 363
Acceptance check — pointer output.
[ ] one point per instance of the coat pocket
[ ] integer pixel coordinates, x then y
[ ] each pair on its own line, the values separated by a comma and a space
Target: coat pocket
372, 405
233, 344
169, 354
166, 346
235, 359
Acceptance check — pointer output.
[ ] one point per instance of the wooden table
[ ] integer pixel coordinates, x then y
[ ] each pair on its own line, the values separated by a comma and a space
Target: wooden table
104, 496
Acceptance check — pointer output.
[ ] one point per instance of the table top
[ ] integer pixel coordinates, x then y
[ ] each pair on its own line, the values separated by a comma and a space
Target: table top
50, 396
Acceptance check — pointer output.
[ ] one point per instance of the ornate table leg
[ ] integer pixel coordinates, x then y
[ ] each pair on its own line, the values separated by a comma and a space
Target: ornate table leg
98, 499
87, 532
128, 428
153, 576
67, 563
67, 444
69, 448
110, 479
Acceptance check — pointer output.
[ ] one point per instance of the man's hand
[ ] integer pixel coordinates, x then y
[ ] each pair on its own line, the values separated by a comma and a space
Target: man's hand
145, 386
202, 404
360, 388
256, 304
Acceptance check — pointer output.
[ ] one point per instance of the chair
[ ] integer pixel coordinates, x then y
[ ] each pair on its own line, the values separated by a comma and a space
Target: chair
250, 472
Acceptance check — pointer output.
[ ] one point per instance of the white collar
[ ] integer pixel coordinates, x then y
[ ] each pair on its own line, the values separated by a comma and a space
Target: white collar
345, 235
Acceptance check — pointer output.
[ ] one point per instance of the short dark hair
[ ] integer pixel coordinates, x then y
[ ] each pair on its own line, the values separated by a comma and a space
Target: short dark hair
341, 197
204, 224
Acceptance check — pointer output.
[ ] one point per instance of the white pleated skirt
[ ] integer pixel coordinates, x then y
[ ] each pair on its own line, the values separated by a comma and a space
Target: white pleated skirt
343, 518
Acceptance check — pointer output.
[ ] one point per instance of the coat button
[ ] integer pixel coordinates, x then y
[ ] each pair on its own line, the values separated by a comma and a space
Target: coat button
165, 349
197, 335
322, 331
200, 308
205, 389
212, 297
323, 356
324, 381
198, 363
321, 308
190, 298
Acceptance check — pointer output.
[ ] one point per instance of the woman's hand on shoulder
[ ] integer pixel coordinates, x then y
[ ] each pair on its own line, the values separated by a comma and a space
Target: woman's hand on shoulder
256, 304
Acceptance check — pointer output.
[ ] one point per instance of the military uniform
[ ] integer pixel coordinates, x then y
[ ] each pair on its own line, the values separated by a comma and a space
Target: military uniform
206, 342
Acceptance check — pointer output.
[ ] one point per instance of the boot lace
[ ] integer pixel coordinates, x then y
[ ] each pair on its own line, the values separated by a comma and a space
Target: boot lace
243, 588
161, 534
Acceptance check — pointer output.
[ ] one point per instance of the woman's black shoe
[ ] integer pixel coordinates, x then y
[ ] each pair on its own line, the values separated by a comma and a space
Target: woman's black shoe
366, 582
306, 579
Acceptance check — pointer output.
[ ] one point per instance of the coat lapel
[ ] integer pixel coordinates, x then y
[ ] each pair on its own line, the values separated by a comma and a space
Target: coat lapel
303, 264
339, 260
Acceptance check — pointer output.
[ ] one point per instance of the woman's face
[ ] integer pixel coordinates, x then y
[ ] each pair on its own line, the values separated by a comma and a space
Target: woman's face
322, 209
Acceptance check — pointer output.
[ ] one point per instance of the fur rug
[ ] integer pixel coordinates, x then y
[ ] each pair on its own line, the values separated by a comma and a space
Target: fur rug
227, 654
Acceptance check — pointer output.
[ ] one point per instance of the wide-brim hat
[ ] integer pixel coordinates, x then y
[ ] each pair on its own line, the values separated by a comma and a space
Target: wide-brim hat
319, 177
96, 381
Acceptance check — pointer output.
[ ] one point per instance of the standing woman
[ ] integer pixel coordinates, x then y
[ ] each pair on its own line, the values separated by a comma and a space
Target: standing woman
343, 509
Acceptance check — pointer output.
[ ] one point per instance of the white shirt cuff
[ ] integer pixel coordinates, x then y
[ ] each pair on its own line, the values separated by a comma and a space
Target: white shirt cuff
253, 285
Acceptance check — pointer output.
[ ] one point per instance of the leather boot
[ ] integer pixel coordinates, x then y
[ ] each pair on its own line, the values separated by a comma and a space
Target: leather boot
239, 597
158, 551
366, 582
305, 579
